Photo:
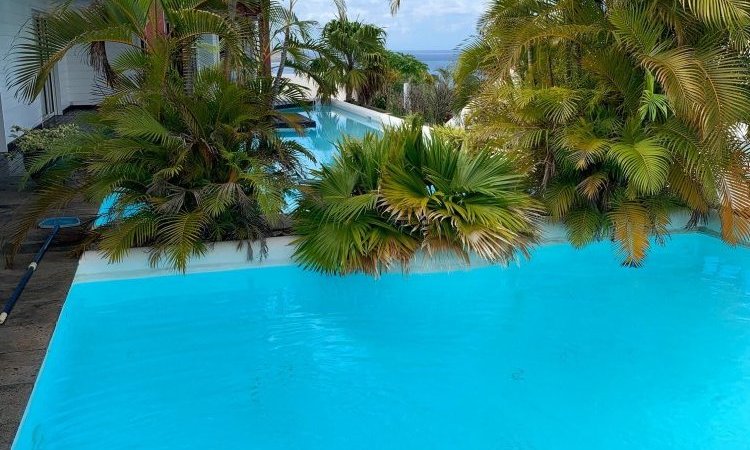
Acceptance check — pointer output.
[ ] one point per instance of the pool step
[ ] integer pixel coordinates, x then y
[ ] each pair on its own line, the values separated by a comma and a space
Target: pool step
294, 119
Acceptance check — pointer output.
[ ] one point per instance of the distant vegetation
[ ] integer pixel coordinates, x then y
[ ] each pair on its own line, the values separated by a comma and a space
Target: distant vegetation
352, 58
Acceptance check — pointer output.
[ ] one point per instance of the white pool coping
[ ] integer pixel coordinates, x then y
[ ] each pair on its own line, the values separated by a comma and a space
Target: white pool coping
380, 118
224, 256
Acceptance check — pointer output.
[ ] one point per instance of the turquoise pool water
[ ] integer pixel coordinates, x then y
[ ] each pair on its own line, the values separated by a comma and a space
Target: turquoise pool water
567, 351
332, 124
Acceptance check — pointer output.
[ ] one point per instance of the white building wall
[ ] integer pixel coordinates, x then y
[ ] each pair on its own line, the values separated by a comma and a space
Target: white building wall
77, 80
77, 83
13, 16
80, 85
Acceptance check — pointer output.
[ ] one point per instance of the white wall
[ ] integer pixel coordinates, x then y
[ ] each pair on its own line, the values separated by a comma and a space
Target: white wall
311, 86
14, 15
76, 77
79, 83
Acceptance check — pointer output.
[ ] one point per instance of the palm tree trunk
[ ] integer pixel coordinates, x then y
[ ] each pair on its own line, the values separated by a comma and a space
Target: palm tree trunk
282, 63
349, 87
157, 25
264, 29
187, 61
232, 15
530, 64
550, 69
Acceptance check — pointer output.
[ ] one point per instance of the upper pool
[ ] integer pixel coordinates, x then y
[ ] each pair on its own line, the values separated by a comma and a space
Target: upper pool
331, 125
567, 351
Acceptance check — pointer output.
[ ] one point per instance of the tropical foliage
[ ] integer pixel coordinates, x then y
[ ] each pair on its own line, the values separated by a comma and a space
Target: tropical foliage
435, 99
407, 68
130, 24
29, 144
185, 170
609, 114
190, 156
622, 110
388, 197
352, 57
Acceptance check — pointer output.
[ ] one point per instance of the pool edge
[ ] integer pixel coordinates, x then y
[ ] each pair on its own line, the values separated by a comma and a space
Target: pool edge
93, 266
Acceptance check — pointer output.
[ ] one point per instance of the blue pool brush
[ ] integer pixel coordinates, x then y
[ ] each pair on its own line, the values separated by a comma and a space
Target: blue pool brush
55, 224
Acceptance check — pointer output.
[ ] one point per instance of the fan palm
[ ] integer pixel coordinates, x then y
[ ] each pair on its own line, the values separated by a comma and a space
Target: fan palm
623, 111
386, 198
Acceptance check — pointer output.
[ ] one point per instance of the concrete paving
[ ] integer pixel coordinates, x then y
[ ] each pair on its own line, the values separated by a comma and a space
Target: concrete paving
25, 336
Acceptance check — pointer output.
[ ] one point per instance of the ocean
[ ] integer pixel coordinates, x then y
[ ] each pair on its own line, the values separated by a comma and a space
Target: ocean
435, 59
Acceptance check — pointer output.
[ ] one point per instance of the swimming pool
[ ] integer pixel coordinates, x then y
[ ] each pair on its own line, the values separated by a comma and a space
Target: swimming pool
567, 351
331, 125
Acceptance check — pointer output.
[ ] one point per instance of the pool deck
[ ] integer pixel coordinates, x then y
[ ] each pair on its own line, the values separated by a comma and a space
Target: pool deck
25, 336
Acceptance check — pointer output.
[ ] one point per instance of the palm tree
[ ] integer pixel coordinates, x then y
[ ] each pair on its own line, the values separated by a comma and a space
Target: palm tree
263, 14
260, 18
135, 25
352, 55
191, 157
387, 197
623, 111
183, 169
292, 40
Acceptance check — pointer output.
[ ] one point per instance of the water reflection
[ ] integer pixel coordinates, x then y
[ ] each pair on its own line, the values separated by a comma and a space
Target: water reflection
332, 125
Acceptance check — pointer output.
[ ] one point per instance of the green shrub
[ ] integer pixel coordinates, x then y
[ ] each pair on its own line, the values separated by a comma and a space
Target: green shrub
30, 143
626, 112
436, 100
187, 169
386, 198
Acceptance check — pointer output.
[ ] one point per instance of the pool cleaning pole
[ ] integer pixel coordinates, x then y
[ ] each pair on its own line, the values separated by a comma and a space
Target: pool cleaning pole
27, 276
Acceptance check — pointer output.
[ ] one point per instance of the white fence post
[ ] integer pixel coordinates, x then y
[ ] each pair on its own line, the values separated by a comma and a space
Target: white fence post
407, 97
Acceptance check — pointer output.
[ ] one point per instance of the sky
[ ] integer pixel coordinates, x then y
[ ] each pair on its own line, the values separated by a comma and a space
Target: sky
419, 24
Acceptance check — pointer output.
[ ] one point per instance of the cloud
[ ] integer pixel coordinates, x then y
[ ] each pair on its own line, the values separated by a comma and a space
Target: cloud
419, 25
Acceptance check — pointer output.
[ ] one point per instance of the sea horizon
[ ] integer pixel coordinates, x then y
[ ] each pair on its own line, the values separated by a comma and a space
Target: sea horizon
435, 59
